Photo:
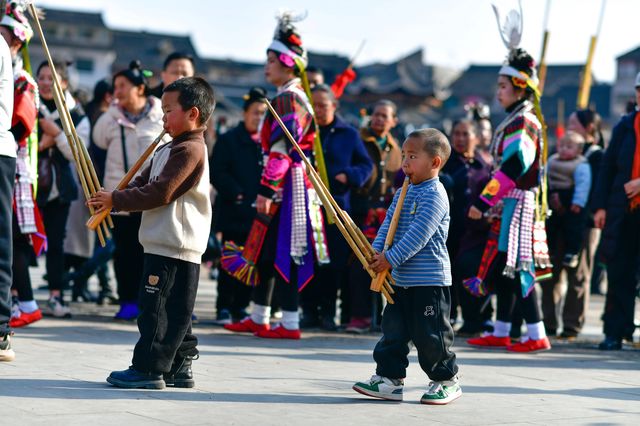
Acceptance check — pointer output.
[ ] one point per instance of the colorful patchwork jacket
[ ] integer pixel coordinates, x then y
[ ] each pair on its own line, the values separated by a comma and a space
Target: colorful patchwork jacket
295, 111
516, 150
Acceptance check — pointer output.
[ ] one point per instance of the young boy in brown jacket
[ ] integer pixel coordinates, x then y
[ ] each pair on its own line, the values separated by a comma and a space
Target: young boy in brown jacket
173, 194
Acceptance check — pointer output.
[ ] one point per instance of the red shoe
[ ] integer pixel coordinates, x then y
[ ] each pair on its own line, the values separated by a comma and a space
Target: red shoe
490, 341
531, 346
25, 318
279, 333
246, 326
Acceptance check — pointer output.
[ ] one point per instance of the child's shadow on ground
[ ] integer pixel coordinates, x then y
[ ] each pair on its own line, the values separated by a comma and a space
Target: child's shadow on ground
81, 390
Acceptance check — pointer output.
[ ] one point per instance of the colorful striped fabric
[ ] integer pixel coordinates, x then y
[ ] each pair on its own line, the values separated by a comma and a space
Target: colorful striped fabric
517, 158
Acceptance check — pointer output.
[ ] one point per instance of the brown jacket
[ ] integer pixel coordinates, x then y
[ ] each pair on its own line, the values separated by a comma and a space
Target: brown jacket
173, 193
386, 164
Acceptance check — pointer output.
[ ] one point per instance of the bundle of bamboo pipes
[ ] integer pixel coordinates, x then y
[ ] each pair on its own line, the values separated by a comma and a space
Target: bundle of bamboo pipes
86, 172
355, 238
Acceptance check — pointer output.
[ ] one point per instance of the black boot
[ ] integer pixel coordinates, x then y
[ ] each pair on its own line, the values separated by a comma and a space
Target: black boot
180, 375
134, 379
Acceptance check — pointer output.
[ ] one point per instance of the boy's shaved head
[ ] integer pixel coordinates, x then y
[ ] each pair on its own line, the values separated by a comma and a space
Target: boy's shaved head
434, 143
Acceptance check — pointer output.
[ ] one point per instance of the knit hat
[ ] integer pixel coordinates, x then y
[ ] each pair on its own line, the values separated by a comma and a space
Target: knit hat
255, 94
287, 42
15, 19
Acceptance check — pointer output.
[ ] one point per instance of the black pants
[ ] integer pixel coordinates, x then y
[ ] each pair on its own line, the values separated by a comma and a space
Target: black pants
23, 256
567, 225
270, 279
76, 262
475, 310
508, 290
7, 178
623, 276
419, 315
54, 216
127, 256
362, 301
575, 301
320, 296
167, 297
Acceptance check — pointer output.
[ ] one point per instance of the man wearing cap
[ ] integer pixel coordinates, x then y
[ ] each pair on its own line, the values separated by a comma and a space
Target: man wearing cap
616, 202
348, 167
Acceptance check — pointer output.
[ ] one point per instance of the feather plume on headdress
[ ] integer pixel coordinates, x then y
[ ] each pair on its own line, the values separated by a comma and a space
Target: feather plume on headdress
511, 29
287, 41
285, 20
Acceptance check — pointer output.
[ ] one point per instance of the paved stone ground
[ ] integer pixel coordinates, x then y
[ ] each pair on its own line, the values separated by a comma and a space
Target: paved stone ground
61, 366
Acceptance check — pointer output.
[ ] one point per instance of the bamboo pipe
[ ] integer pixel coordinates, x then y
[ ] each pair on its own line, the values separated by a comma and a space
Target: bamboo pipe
330, 201
325, 196
95, 220
393, 226
61, 105
72, 146
350, 241
585, 83
82, 164
542, 70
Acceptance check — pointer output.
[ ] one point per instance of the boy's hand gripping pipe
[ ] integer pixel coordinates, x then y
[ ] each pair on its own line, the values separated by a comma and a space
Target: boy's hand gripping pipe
96, 219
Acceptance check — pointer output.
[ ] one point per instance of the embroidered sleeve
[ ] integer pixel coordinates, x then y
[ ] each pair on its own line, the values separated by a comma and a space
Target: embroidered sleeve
276, 145
24, 107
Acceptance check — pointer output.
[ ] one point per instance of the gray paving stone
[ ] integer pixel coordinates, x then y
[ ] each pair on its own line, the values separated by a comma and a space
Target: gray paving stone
61, 366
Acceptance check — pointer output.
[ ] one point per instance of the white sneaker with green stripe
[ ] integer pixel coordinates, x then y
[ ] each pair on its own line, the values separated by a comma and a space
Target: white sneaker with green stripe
381, 387
441, 393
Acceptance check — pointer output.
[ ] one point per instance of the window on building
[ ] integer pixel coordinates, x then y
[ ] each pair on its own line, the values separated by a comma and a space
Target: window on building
84, 65
627, 69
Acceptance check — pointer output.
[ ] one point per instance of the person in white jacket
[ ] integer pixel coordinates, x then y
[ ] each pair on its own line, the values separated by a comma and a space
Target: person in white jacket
128, 127
7, 177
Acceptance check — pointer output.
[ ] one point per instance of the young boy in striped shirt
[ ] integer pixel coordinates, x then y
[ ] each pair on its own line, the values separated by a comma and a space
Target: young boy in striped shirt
422, 273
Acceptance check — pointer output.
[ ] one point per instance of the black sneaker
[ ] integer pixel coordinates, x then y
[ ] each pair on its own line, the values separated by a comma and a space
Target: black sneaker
610, 344
180, 375
134, 379
6, 353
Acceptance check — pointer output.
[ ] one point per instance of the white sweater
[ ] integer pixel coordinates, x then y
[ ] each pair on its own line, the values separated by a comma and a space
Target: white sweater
107, 134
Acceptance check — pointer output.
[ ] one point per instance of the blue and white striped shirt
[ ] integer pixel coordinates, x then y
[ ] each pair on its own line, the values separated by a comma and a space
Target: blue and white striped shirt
419, 255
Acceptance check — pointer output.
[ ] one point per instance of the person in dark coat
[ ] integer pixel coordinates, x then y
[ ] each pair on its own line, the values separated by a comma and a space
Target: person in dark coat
348, 166
575, 300
368, 208
465, 171
236, 168
616, 202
